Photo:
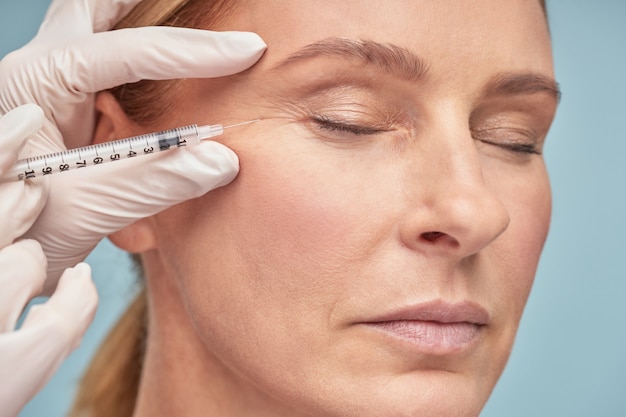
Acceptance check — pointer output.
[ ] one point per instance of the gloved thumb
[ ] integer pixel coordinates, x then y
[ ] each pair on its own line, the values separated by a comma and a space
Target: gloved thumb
20, 202
103, 199
15, 128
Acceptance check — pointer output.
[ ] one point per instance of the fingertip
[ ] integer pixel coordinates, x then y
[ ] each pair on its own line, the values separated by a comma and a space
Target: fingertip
82, 269
69, 310
234, 159
216, 162
30, 116
33, 248
106, 13
15, 128
158, 53
25, 260
34, 111
22, 275
215, 151
244, 48
247, 41
76, 296
77, 279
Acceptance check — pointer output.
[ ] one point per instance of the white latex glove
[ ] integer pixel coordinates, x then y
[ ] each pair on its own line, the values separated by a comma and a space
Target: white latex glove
29, 356
70, 59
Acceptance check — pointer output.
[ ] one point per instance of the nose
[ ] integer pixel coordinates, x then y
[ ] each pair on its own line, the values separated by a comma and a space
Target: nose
452, 210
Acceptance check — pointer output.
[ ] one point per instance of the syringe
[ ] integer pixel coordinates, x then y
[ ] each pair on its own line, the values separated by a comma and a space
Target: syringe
101, 153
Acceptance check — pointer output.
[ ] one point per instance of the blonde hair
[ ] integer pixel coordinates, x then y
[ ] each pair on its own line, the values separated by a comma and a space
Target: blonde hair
110, 385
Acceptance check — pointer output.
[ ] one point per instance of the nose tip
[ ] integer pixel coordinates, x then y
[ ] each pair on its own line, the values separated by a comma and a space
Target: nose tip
476, 217
460, 223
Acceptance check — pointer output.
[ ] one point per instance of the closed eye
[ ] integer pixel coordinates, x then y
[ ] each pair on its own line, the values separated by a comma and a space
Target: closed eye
514, 140
525, 148
338, 126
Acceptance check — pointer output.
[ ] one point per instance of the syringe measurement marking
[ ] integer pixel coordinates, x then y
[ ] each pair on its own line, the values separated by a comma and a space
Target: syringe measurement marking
46, 169
110, 151
131, 153
114, 154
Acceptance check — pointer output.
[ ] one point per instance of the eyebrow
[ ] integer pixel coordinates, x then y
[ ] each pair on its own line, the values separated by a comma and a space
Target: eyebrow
390, 58
407, 65
525, 83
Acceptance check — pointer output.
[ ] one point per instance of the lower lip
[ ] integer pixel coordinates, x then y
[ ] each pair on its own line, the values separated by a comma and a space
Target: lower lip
432, 337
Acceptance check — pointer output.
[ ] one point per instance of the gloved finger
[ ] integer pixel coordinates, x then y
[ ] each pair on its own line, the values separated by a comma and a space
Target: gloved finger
20, 202
71, 308
31, 355
114, 195
106, 13
65, 19
109, 59
15, 128
123, 56
68, 18
22, 274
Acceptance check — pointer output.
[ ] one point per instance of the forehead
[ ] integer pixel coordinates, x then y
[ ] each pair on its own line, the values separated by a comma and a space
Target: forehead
477, 35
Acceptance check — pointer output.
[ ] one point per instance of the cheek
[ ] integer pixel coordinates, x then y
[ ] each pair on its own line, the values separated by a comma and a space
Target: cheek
292, 232
311, 208
280, 246
306, 210
511, 260
300, 206
528, 199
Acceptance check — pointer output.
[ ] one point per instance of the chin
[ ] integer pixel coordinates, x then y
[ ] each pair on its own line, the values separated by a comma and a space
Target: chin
423, 393
434, 394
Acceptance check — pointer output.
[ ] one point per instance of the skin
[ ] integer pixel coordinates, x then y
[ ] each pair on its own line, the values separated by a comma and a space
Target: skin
258, 290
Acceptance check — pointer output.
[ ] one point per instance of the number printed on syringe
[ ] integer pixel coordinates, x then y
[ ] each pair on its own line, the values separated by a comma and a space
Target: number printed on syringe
101, 153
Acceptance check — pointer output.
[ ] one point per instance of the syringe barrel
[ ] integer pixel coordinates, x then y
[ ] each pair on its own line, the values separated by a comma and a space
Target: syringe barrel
128, 148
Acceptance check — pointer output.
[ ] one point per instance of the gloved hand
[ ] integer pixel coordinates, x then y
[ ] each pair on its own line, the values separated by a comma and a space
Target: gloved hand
72, 57
29, 356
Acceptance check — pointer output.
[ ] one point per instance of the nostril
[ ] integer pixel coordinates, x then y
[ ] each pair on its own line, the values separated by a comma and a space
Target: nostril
439, 238
432, 236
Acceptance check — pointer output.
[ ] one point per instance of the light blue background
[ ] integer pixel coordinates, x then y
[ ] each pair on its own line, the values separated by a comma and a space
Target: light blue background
570, 355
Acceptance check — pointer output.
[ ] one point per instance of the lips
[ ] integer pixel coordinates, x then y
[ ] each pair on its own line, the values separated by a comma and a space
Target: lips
439, 311
435, 327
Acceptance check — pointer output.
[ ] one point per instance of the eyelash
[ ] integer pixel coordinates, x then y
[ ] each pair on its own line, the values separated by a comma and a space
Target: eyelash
522, 148
337, 126
357, 130
516, 147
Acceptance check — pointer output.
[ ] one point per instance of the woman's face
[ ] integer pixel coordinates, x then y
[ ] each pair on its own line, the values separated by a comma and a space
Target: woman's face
375, 253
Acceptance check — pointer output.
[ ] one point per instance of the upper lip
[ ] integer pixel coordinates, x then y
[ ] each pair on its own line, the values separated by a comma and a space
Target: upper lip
438, 311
